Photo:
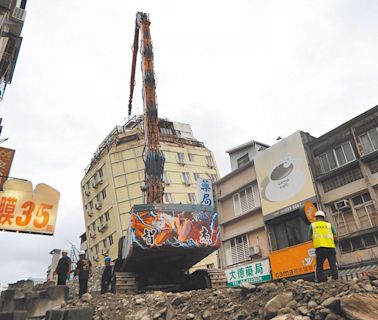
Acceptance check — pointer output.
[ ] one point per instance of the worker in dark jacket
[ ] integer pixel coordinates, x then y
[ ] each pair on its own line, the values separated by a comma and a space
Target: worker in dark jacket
63, 268
322, 234
106, 278
83, 270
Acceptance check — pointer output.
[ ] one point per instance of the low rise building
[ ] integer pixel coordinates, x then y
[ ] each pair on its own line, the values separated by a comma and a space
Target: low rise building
345, 167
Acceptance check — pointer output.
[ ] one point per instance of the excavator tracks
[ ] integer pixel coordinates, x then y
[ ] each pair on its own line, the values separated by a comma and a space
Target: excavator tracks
217, 278
125, 282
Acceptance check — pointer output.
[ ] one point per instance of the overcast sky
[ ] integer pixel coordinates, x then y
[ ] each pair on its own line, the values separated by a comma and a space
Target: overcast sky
234, 70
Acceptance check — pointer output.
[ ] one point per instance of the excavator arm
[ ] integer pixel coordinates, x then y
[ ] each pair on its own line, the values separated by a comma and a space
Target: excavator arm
153, 157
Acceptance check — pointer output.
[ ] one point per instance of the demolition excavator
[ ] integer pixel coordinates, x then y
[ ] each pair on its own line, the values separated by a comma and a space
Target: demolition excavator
163, 241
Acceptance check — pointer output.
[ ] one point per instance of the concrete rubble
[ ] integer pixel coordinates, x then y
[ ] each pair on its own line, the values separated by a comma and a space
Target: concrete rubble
283, 300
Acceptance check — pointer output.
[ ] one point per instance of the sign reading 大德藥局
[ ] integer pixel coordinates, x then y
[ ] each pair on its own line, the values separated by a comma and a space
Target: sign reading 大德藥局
23, 209
205, 192
253, 272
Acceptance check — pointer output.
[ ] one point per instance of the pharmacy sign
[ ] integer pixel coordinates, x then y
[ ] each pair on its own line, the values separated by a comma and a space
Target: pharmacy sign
253, 272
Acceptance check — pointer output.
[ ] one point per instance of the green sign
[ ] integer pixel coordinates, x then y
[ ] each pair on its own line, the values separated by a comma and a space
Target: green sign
253, 272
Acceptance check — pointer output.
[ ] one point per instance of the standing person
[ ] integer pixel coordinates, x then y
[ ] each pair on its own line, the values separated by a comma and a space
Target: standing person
322, 234
63, 269
83, 270
106, 278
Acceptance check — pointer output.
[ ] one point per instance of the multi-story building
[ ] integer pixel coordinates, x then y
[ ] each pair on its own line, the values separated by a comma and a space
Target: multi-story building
243, 235
12, 17
345, 167
114, 180
262, 202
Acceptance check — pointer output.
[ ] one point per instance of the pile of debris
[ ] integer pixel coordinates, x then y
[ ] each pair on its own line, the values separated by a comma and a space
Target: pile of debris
94, 282
283, 300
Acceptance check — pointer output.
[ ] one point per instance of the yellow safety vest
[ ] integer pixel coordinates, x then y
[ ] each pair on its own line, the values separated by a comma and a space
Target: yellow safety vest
322, 235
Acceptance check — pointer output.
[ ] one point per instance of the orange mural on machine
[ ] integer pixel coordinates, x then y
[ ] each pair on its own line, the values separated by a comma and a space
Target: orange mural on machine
294, 261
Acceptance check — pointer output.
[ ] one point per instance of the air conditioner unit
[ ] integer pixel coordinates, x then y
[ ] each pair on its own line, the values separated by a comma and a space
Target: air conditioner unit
254, 251
94, 183
187, 182
87, 191
92, 235
181, 162
210, 165
105, 251
102, 226
96, 258
342, 205
90, 212
19, 14
167, 182
98, 205
98, 179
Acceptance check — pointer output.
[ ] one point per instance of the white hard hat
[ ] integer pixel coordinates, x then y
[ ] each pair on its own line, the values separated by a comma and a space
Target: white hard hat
64, 250
81, 253
319, 214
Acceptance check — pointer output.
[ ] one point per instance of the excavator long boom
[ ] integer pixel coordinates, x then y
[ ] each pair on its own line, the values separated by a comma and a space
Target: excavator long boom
153, 156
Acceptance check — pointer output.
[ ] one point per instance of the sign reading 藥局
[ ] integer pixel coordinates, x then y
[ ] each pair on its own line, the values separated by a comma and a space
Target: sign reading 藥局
205, 192
23, 209
253, 272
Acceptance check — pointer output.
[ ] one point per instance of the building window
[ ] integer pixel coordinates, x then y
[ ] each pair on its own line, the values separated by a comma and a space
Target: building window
181, 157
103, 194
191, 157
185, 178
342, 179
105, 243
358, 243
196, 176
369, 140
213, 177
168, 198
107, 216
166, 130
242, 161
246, 200
111, 240
209, 161
237, 250
93, 226
192, 198
288, 231
90, 203
373, 166
98, 197
364, 216
100, 172
96, 248
336, 157
166, 179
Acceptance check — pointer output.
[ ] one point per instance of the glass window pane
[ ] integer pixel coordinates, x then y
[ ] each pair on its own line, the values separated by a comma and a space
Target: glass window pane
357, 200
357, 243
348, 151
281, 236
324, 163
369, 240
345, 246
373, 133
366, 196
366, 144
331, 160
340, 156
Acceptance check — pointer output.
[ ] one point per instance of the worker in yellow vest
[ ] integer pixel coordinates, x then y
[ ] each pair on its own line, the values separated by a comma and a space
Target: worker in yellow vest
322, 234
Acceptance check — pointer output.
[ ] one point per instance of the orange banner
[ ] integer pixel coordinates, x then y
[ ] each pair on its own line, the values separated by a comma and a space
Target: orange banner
6, 159
294, 261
